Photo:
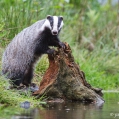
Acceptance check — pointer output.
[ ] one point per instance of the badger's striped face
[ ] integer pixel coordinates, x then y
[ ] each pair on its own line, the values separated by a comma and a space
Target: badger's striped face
56, 23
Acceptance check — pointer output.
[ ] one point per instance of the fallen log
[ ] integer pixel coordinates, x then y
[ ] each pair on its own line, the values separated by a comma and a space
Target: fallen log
65, 80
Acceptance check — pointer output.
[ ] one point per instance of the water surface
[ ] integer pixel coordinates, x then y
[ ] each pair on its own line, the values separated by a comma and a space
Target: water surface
71, 110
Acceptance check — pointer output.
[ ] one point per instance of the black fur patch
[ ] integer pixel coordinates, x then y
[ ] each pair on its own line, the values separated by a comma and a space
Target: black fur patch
59, 21
51, 21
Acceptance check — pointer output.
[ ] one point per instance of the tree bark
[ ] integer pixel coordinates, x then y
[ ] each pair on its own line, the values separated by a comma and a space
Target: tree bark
65, 80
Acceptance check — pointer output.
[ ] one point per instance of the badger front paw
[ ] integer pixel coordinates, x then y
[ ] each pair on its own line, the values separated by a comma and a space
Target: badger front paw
62, 45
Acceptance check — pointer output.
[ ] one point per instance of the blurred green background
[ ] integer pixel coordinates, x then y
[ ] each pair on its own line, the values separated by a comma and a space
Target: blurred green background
91, 27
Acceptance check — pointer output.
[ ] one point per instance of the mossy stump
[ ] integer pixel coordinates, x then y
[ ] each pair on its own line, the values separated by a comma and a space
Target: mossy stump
65, 80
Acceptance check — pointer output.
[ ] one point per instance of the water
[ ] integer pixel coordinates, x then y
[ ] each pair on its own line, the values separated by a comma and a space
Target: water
71, 110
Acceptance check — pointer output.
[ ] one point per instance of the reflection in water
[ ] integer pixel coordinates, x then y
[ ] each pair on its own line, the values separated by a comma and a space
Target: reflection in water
68, 111
60, 111
27, 114
75, 110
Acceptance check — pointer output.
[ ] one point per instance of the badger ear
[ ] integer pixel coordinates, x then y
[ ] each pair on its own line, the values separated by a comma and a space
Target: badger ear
61, 17
48, 16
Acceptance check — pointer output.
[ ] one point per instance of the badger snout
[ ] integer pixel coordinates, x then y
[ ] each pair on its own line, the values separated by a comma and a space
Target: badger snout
54, 32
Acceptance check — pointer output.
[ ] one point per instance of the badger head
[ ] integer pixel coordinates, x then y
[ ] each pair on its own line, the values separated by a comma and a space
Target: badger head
55, 24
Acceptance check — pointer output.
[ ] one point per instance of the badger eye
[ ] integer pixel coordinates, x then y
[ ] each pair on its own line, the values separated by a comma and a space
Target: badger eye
51, 23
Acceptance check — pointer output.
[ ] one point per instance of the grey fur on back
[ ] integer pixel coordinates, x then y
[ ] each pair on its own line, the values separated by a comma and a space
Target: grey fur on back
19, 54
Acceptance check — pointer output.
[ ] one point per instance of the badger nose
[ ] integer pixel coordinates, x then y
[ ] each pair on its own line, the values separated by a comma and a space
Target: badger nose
54, 32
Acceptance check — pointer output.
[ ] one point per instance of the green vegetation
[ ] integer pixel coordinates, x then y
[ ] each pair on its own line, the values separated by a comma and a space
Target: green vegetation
13, 97
89, 28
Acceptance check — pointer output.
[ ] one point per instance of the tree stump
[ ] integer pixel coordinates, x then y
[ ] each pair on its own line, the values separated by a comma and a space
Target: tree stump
64, 79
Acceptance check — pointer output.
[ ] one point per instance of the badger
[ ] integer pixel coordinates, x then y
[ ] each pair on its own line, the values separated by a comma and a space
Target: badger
27, 46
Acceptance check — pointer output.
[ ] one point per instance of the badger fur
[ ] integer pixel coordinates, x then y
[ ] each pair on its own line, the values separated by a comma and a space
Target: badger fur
27, 46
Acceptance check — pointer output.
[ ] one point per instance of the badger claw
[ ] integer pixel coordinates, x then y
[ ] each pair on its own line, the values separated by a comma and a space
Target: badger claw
62, 45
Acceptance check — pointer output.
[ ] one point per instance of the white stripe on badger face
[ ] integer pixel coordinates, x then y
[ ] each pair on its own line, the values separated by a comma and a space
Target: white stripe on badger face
61, 25
55, 25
